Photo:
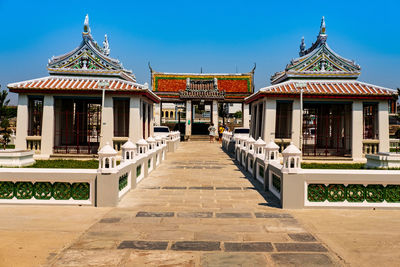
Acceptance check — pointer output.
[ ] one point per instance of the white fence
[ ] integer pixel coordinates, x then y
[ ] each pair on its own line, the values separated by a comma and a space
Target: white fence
95, 187
305, 188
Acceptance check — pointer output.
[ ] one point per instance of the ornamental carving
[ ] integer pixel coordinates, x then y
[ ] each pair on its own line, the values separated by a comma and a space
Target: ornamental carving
202, 89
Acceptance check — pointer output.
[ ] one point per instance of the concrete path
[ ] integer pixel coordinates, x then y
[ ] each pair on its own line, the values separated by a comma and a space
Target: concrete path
197, 209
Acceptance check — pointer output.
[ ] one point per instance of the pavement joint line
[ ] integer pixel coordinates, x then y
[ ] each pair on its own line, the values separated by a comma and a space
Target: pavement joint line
224, 246
154, 214
300, 247
219, 188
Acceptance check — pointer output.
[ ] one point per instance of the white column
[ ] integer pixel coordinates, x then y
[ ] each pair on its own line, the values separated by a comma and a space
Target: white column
215, 113
157, 114
151, 109
135, 124
383, 122
189, 122
107, 124
262, 119
146, 119
47, 142
256, 120
357, 130
296, 123
270, 118
246, 115
22, 122
253, 119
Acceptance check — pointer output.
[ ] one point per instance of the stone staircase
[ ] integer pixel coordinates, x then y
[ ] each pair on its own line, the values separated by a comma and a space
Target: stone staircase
199, 138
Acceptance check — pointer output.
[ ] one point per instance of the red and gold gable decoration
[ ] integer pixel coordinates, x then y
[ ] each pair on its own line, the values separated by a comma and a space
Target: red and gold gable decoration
177, 82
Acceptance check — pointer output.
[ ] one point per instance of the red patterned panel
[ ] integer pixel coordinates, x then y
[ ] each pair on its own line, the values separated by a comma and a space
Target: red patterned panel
171, 85
234, 85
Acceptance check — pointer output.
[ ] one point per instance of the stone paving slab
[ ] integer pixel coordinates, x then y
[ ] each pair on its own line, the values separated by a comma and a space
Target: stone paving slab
144, 245
301, 259
154, 214
233, 260
196, 246
300, 247
194, 211
248, 247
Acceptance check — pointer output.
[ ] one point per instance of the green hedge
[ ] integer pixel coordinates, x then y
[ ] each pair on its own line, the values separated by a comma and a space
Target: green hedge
66, 164
356, 166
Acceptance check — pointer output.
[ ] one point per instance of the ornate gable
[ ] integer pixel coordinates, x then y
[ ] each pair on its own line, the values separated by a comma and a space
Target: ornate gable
89, 59
319, 61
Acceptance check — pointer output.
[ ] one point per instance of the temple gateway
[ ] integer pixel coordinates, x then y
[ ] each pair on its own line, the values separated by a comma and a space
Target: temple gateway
190, 102
318, 104
87, 100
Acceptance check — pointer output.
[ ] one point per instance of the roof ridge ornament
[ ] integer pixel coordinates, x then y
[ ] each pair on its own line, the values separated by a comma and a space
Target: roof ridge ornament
302, 47
322, 36
106, 46
322, 29
86, 27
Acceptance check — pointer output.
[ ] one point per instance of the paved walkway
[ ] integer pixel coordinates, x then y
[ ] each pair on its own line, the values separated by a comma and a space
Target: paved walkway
197, 209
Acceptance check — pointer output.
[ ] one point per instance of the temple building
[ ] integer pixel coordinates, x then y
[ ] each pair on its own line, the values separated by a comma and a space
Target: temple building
318, 104
88, 99
205, 98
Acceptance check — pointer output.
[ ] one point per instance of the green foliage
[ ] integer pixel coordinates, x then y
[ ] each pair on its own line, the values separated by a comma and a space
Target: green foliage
356, 166
10, 111
238, 115
3, 103
5, 130
66, 164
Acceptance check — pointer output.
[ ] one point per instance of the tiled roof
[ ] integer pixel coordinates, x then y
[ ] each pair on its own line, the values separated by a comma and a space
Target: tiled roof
324, 88
75, 83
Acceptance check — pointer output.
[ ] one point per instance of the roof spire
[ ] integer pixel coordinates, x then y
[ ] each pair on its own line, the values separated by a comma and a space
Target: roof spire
106, 46
302, 47
322, 28
86, 28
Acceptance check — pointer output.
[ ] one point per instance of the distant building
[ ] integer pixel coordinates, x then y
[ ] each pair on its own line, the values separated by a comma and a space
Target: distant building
88, 99
318, 104
202, 95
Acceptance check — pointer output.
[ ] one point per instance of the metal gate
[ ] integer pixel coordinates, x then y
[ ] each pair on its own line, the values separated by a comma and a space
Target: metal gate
78, 132
326, 130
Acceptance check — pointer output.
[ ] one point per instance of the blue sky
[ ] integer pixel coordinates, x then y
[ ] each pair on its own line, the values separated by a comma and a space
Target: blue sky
217, 36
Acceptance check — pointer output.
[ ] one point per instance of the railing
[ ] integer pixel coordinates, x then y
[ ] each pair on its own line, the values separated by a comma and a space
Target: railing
104, 186
370, 146
47, 186
34, 143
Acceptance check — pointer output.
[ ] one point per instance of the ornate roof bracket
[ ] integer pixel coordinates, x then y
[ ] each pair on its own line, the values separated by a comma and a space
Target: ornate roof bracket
202, 94
202, 89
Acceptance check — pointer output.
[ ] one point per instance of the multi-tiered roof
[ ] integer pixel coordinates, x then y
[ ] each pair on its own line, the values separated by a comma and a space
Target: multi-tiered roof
84, 70
318, 61
319, 72
211, 86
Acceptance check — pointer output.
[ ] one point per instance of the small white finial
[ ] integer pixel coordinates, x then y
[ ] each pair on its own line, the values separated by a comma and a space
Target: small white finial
323, 28
302, 46
106, 46
86, 27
